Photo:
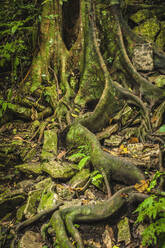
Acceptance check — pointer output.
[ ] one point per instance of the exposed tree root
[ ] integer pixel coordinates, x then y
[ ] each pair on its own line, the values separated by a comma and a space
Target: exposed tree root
151, 92
36, 217
64, 219
114, 167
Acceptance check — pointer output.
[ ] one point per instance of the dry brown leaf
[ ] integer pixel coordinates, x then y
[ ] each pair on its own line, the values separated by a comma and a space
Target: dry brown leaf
61, 154
141, 187
133, 140
18, 138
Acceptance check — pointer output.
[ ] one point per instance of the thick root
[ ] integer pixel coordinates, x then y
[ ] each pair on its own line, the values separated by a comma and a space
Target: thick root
90, 213
114, 167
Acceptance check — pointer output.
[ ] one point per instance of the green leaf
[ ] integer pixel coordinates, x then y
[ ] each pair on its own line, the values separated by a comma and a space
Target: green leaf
14, 28
76, 156
10, 105
162, 129
46, 1
1, 113
83, 162
4, 106
98, 176
9, 94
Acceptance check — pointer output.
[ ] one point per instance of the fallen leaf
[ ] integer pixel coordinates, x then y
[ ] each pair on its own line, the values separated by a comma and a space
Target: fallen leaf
61, 154
141, 187
133, 140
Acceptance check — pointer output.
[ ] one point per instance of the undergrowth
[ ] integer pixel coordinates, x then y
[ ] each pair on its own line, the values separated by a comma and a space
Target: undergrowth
151, 214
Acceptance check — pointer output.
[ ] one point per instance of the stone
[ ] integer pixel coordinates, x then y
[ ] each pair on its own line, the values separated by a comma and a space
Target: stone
30, 240
124, 231
65, 192
140, 15
114, 140
142, 57
63, 170
160, 40
32, 203
30, 167
108, 237
48, 197
20, 213
80, 179
160, 81
49, 149
148, 29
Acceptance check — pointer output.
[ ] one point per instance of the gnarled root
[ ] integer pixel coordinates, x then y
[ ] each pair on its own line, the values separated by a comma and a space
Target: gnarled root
63, 220
116, 168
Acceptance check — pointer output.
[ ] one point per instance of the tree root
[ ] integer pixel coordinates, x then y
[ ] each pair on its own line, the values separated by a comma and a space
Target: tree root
63, 220
37, 217
114, 167
151, 92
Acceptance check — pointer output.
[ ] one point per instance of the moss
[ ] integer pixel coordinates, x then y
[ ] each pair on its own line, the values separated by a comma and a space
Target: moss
148, 29
160, 40
48, 197
20, 213
32, 203
140, 15
59, 170
49, 149
80, 178
30, 167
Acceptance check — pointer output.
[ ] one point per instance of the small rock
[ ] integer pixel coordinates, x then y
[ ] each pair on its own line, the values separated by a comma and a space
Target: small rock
108, 237
63, 170
143, 57
49, 149
30, 240
30, 167
124, 231
140, 15
148, 28
80, 179
114, 140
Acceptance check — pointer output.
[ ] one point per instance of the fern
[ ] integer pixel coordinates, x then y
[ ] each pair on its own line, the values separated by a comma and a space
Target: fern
152, 209
83, 162
81, 157
97, 178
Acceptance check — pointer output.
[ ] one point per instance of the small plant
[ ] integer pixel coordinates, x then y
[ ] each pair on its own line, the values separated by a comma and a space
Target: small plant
97, 178
5, 104
152, 210
82, 157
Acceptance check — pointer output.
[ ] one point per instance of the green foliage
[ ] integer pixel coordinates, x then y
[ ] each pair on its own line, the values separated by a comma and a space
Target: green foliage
63, 1
162, 129
152, 210
56, 244
155, 179
77, 225
97, 178
83, 162
18, 28
60, 1
6, 104
82, 157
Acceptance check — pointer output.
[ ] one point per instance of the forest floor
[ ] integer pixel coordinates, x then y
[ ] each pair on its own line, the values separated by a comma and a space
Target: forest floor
106, 234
